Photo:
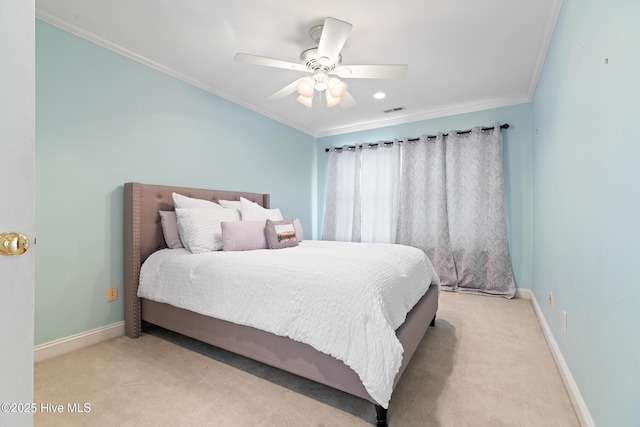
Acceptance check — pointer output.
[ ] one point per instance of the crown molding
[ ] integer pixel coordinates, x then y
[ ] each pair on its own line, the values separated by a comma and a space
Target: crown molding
544, 48
109, 44
113, 46
426, 115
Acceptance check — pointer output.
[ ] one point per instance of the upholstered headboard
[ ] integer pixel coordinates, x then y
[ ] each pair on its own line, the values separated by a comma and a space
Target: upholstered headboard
143, 233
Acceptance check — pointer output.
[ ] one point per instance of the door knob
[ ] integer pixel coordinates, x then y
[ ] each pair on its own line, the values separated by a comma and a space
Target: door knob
13, 244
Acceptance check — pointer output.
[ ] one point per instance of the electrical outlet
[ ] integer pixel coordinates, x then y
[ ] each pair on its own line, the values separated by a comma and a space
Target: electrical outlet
564, 321
112, 293
551, 300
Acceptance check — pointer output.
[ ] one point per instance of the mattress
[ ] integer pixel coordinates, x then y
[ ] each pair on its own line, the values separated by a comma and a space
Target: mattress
344, 299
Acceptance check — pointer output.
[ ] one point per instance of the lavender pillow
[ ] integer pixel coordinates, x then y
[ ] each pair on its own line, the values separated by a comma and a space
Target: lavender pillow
170, 229
280, 234
243, 235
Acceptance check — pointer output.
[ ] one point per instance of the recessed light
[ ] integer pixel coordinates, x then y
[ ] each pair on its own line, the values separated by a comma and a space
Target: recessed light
379, 95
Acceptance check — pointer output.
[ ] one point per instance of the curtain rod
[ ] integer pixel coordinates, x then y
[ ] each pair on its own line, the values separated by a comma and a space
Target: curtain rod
460, 132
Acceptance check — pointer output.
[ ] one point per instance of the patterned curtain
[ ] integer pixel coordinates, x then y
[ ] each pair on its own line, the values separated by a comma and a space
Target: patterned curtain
476, 212
444, 195
422, 218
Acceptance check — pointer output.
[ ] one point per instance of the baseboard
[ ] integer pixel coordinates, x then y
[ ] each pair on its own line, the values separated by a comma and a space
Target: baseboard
572, 388
77, 341
523, 293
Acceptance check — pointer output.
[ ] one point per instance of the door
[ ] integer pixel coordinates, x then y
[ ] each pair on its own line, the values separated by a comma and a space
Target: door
17, 190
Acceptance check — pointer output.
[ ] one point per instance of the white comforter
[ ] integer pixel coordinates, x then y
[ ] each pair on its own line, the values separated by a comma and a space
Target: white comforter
343, 299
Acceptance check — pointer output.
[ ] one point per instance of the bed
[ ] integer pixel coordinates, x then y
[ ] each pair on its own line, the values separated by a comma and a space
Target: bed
143, 236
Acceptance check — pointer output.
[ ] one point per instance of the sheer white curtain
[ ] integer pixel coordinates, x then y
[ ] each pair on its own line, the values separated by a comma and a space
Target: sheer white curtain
444, 195
342, 208
362, 194
379, 193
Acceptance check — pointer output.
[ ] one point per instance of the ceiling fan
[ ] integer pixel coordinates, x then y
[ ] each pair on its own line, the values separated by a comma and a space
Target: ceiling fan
324, 64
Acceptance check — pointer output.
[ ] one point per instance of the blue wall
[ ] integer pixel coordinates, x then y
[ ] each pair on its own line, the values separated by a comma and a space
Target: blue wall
586, 199
103, 120
517, 169
572, 170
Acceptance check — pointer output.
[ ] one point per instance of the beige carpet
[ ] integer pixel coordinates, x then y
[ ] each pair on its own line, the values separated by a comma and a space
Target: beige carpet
486, 363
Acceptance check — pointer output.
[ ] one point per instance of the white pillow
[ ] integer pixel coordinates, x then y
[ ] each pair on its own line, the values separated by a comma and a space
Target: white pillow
231, 204
200, 229
254, 212
189, 202
299, 230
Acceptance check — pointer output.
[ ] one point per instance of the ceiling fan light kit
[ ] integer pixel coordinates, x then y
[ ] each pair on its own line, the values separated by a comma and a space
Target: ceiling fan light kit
324, 63
331, 101
307, 101
333, 87
305, 87
337, 87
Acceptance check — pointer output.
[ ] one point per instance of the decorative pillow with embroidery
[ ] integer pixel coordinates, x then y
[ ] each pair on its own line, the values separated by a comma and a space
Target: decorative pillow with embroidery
280, 234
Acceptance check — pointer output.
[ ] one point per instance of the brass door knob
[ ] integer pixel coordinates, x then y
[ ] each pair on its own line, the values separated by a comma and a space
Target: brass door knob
13, 244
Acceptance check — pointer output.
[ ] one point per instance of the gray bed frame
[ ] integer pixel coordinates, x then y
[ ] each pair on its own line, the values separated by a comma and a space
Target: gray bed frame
143, 236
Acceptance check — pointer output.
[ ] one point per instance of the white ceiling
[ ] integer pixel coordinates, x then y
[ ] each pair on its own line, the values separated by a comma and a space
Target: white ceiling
463, 55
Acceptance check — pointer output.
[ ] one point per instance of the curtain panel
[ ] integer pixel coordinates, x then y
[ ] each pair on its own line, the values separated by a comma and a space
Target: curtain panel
423, 219
342, 207
362, 195
476, 212
444, 195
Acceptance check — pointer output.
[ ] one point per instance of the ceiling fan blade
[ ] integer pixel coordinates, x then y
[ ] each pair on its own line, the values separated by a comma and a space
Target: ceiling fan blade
347, 100
284, 92
334, 35
268, 62
388, 71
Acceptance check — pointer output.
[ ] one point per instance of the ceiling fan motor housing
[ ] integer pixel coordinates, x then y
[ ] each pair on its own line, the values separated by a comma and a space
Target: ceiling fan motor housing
324, 62
309, 59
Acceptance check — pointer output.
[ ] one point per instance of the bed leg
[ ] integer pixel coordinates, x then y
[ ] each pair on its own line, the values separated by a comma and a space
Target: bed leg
433, 321
381, 416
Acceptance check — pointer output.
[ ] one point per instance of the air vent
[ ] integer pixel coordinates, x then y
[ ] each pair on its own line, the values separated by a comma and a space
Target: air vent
393, 110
